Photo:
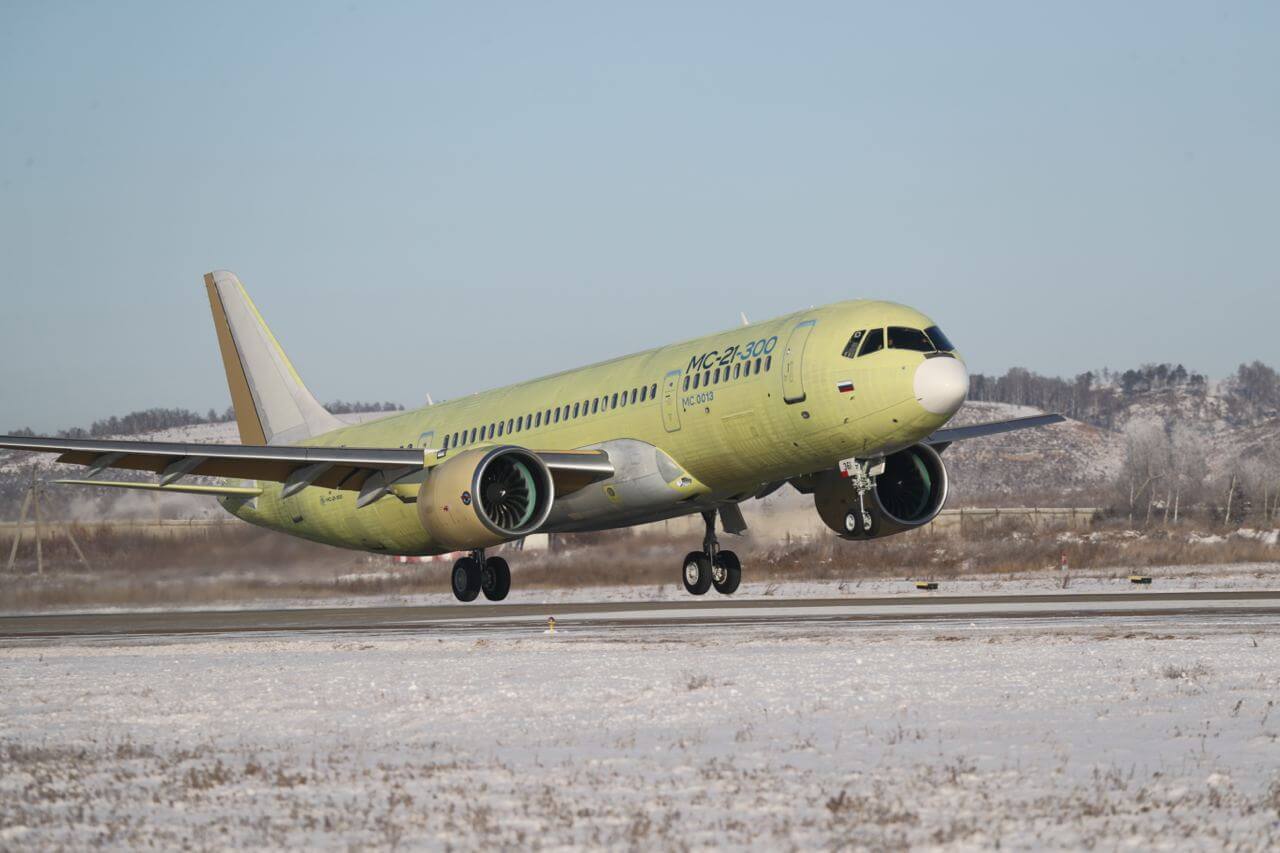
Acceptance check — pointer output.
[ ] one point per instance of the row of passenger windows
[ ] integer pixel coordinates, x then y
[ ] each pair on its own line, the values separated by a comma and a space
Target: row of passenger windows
867, 341
723, 374
548, 417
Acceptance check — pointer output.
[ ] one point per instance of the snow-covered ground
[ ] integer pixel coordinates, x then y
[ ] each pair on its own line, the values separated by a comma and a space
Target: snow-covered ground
1137, 735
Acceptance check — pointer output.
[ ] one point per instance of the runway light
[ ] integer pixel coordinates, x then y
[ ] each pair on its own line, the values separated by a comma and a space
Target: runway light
927, 585
551, 624
1143, 579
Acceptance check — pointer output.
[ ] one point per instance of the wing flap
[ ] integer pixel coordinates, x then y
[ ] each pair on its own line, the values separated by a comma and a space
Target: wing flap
183, 489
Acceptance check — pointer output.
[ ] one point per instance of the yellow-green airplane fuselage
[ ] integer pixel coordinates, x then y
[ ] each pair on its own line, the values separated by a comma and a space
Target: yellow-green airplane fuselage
709, 420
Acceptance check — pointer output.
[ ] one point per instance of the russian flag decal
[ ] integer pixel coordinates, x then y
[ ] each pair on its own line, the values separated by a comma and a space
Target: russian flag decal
845, 386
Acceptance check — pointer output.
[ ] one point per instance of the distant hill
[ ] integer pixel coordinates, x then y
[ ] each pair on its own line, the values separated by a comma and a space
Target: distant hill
1133, 440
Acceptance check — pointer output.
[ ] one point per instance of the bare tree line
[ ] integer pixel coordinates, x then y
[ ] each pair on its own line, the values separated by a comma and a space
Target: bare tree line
1165, 472
1103, 398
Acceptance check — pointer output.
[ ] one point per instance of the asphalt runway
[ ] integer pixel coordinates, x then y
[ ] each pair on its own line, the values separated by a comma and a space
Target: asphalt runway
712, 611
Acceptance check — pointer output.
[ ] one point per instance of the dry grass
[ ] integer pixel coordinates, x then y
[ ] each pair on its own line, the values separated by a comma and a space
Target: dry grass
241, 563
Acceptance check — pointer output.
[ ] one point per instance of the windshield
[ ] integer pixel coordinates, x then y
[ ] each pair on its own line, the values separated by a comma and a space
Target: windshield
940, 340
900, 337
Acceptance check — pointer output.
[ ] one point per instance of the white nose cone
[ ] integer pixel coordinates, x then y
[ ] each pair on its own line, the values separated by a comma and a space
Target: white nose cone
941, 384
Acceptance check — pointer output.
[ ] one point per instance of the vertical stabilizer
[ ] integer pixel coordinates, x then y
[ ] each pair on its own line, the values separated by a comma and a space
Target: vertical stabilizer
272, 405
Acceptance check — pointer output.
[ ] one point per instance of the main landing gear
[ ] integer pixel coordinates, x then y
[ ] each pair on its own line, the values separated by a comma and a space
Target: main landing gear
474, 574
711, 566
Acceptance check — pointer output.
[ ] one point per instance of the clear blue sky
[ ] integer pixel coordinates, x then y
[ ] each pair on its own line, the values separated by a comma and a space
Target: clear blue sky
448, 198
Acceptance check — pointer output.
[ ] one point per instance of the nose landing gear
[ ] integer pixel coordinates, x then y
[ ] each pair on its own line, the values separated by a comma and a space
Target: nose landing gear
711, 567
474, 574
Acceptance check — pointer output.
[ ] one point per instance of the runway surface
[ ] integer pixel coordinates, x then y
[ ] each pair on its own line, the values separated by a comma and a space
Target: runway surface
460, 618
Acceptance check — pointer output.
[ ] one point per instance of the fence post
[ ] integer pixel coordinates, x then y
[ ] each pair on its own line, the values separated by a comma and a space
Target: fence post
35, 494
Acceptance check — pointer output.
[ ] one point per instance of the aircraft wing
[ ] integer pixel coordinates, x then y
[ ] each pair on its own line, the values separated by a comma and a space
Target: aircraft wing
369, 471
944, 437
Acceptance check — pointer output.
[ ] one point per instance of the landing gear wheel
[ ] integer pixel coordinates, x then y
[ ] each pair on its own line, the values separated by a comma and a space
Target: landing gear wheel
495, 579
726, 574
697, 573
466, 579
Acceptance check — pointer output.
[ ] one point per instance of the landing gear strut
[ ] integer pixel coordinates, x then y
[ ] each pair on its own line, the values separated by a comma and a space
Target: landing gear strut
863, 481
711, 566
474, 574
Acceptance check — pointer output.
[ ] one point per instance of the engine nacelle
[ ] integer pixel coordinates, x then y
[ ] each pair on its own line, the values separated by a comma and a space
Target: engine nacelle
484, 497
909, 493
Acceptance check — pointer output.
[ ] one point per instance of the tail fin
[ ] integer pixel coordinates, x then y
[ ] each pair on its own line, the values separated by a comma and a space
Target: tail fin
272, 405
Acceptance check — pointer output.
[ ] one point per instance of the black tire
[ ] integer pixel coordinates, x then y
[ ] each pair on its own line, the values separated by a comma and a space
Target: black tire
696, 573
466, 579
727, 573
495, 579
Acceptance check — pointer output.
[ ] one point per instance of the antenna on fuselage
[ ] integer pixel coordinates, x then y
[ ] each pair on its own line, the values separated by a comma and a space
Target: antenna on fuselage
430, 402
743, 315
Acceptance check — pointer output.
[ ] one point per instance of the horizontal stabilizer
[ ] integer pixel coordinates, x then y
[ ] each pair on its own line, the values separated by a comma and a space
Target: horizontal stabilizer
216, 491
946, 436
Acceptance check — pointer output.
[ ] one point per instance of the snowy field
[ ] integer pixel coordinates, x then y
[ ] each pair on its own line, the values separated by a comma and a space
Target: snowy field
1141, 734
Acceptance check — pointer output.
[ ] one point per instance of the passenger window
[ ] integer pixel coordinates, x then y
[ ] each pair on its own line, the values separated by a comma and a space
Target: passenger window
595, 405
445, 446
768, 363
737, 370
537, 419
653, 390
716, 378
473, 435
851, 348
697, 380
759, 361
624, 398
900, 337
941, 341
575, 409
746, 368
633, 395
490, 430
613, 403
873, 342
706, 377
499, 429
557, 414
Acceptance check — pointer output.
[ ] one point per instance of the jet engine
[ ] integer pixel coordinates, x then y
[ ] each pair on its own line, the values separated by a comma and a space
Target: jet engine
909, 493
484, 497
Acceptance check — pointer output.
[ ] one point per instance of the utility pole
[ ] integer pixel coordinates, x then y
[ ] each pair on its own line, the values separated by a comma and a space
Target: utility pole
17, 533
31, 501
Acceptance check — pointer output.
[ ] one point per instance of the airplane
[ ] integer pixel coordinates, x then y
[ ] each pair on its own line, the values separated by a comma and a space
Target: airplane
847, 402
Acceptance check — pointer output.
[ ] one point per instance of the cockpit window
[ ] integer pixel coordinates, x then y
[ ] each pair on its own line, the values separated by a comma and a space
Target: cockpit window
941, 341
872, 342
900, 337
851, 348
